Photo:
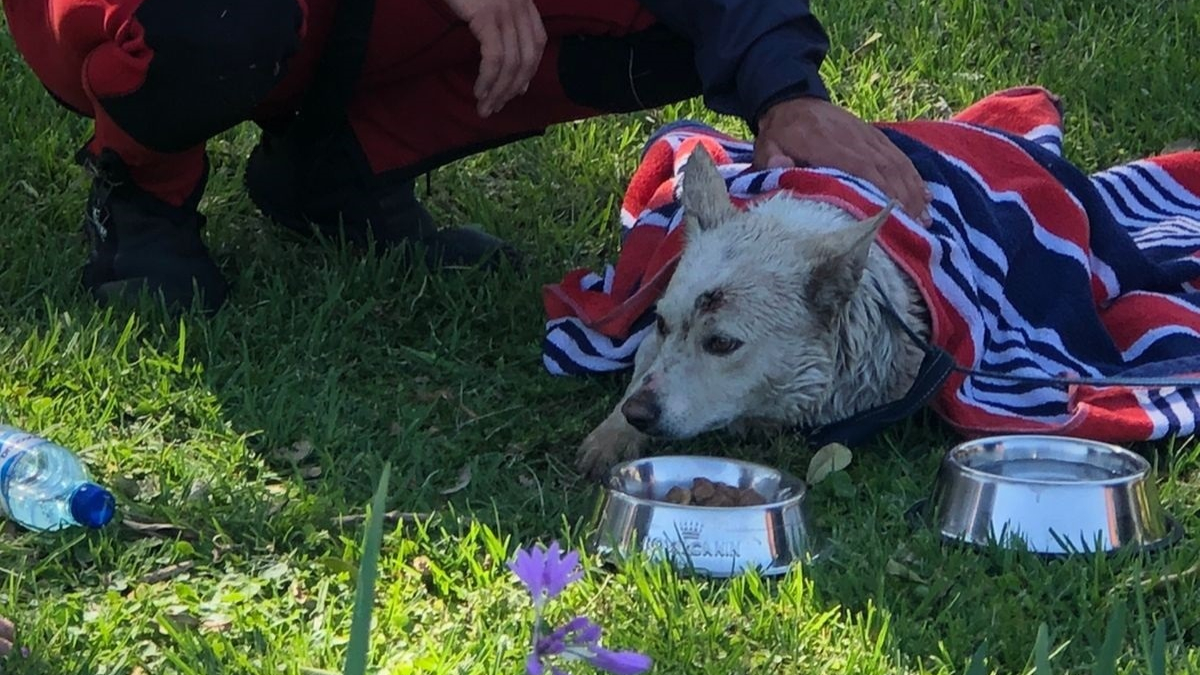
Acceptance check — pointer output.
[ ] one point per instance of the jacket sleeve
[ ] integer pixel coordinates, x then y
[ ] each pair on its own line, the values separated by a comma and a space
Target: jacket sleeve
750, 53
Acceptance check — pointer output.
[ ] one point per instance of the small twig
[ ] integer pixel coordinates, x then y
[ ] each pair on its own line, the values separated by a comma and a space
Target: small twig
388, 517
164, 530
1155, 584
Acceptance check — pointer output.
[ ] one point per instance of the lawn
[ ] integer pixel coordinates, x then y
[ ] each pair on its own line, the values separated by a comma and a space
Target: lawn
242, 447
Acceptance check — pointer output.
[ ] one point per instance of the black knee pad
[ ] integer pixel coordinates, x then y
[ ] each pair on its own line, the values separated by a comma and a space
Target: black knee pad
214, 62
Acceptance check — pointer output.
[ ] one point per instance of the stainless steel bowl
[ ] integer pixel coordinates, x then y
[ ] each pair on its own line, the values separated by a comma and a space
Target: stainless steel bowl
1048, 494
712, 541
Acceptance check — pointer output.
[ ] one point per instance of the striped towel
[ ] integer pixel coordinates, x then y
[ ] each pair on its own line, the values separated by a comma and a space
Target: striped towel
1031, 267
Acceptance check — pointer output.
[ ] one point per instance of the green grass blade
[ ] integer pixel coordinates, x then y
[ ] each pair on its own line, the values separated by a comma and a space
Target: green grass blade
1158, 650
1041, 651
358, 650
1106, 660
976, 666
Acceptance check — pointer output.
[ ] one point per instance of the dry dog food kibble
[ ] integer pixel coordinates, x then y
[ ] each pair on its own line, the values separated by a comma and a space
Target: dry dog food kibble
705, 492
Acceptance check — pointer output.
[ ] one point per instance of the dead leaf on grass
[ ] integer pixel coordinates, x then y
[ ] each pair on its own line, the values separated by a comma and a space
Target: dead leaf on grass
464, 479
422, 565
871, 39
832, 457
1180, 145
896, 568
216, 624
183, 620
199, 490
296, 453
168, 572
159, 529
28, 189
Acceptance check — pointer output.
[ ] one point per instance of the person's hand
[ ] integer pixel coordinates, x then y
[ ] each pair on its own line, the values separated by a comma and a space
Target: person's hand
811, 131
511, 39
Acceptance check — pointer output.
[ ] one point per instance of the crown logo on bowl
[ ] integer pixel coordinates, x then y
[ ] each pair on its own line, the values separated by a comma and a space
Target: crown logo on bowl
689, 529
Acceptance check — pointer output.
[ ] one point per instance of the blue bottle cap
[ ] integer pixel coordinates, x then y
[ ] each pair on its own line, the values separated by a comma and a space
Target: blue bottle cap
92, 506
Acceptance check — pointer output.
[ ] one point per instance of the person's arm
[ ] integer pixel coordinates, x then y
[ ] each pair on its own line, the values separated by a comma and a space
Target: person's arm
760, 60
750, 54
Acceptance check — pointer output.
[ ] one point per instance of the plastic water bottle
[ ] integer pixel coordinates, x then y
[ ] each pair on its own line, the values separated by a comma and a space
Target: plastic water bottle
44, 487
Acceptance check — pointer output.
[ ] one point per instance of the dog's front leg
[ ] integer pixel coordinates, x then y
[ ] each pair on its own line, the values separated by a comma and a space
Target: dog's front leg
615, 439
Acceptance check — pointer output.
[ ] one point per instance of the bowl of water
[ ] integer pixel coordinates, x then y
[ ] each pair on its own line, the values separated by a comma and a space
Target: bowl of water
1049, 494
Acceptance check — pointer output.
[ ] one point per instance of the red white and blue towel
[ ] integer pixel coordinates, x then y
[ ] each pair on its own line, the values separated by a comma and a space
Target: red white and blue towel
1031, 267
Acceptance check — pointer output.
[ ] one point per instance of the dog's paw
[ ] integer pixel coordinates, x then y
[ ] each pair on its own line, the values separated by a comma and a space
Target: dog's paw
611, 442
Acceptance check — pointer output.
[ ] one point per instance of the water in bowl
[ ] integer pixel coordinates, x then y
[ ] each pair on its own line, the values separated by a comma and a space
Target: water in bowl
1046, 469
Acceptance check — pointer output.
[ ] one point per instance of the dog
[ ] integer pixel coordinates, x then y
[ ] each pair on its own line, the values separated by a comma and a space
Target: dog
1041, 299
769, 321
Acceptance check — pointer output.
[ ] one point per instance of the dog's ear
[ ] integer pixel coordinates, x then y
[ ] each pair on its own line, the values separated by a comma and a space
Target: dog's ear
843, 260
705, 197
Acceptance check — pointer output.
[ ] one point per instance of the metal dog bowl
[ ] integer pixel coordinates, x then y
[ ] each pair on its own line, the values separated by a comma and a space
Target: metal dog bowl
1054, 495
716, 541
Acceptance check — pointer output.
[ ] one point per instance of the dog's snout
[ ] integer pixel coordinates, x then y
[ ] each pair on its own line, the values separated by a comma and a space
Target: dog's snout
642, 410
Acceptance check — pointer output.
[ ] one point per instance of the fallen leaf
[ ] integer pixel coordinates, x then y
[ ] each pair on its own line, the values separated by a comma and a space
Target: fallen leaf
1180, 145
199, 491
183, 620
464, 479
296, 453
310, 472
438, 394
832, 457
216, 624
395, 429
159, 529
898, 569
871, 39
299, 593
421, 564
28, 189
168, 572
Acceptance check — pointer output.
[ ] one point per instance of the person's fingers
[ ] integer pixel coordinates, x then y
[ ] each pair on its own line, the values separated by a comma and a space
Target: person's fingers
764, 150
533, 44
491, 52
510, 65
780, 162
901, 180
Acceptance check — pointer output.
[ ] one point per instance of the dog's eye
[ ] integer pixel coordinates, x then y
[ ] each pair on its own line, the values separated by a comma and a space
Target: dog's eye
721, 345
661, 324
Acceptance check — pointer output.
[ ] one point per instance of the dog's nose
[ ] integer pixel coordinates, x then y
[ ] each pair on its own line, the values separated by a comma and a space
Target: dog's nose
642, 410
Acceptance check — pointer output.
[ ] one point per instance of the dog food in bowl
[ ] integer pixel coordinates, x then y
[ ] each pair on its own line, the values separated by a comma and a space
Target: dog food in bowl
705, 492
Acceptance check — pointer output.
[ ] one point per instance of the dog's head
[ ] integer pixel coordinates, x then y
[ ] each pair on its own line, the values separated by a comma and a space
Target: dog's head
747, 325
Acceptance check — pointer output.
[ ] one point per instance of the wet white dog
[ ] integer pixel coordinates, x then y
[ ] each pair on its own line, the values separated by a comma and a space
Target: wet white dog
770, 320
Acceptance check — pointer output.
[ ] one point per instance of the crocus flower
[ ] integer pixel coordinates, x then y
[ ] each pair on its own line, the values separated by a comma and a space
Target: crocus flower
579, 640
545, 572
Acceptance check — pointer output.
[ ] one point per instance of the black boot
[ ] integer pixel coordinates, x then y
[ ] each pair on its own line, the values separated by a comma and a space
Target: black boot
140, 243
326, 185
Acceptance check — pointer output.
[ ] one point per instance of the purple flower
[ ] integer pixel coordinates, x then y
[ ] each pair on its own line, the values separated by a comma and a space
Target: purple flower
579, 640
545, 572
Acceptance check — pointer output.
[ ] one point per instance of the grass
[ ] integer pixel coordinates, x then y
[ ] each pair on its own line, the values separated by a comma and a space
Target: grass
238, 445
